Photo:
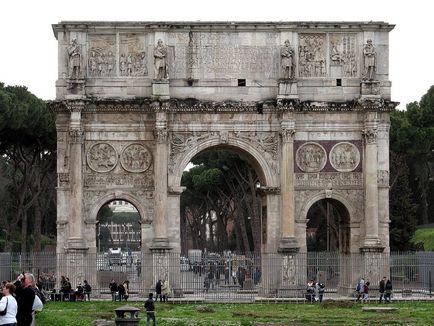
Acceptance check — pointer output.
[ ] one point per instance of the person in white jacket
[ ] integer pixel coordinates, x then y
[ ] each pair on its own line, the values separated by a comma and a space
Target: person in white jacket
9, 303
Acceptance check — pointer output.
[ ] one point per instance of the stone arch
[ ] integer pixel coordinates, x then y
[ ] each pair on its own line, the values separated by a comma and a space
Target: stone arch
118, 196
327, 195
258, 160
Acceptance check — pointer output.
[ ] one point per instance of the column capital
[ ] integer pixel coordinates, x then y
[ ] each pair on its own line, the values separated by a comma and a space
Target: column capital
287, 130
370, 135
76, 136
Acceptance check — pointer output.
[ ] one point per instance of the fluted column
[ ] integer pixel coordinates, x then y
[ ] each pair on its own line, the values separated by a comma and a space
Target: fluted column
288, 242
76, 139
371, 184
160, 228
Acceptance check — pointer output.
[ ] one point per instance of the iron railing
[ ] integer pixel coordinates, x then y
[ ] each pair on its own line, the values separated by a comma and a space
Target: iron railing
230, 277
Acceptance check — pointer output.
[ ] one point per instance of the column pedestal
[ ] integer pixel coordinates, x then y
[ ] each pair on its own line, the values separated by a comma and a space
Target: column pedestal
287, 89
370, 89
160, 90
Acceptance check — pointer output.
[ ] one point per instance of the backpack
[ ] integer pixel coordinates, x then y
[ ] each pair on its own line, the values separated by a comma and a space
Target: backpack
40, 295
358, 287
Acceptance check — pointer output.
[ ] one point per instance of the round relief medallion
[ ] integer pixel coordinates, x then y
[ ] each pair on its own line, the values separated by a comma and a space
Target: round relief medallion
102, 157
344, 157
136, 158
311, 157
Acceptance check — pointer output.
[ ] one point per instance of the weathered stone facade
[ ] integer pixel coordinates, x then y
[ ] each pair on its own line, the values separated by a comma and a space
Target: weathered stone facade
307, 103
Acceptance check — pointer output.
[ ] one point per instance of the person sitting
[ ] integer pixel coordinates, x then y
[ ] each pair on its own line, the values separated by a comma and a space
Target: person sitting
87, 290
79, 293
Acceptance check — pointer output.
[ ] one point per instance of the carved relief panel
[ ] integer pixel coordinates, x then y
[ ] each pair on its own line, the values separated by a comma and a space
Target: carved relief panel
129, 164
344, 157
311, 157
102, 56
343, 55
136, 158
102, 157
133, 55
312, 55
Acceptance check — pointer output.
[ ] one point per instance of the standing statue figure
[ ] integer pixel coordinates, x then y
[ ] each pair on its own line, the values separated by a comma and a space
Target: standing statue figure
369, 60
288, 61
74, 55
160, 61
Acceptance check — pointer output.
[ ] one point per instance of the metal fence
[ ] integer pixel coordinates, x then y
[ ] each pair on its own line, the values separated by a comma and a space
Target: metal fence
231, 277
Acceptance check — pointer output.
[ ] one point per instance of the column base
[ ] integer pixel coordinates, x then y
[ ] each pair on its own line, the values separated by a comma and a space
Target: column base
372, 244
160, 244
76, 244
288, 245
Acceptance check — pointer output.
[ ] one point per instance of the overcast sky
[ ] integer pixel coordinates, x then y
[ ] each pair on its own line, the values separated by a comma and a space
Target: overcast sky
28, 50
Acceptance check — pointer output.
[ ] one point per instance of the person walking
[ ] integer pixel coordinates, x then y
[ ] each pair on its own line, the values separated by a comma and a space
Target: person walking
382, 287
150, 310
8, 306
113, 289
359, 289
158, 291
388, 291
165, 290
366, 292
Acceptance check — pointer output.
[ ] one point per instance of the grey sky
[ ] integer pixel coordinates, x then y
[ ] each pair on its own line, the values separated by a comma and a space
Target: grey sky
28, 52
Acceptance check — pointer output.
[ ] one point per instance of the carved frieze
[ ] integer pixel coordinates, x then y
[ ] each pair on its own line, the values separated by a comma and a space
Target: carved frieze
312, 55
182, 142
101, 57
63, 179
311, 157
136, 158
383, 178
264, 142
328, 179
144, 180
102, 157
344, 157
76, 136
343, 55
133, 58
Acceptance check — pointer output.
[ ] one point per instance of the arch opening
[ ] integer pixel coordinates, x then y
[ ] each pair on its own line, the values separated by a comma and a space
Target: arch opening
118, 226
328, 227
221, 208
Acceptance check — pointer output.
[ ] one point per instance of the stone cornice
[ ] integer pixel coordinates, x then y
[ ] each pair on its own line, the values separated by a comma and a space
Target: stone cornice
187, 26
196, 106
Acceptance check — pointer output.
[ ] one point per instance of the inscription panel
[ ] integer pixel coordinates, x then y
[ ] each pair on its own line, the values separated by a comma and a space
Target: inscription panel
223, 55
328, 179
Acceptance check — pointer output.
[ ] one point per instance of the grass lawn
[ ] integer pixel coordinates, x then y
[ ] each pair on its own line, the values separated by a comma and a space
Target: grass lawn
426, 236
329, 313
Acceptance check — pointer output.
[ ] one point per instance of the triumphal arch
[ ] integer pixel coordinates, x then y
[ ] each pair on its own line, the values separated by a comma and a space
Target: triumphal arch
306, 103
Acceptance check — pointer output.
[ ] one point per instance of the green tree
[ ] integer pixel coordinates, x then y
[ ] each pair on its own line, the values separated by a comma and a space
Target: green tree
221, 199
28, 151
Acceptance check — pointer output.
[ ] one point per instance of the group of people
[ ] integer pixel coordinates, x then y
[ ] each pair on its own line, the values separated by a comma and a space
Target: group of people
20, 301
120, 291
162, 290
315, 291
80, 293
385, 290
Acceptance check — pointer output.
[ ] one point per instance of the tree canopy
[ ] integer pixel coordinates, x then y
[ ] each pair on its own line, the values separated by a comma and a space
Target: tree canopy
28, 160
